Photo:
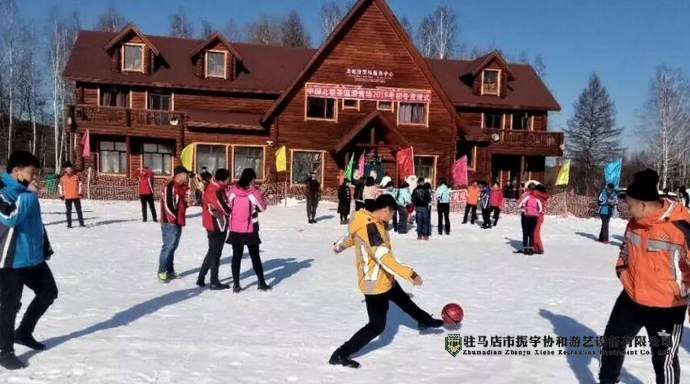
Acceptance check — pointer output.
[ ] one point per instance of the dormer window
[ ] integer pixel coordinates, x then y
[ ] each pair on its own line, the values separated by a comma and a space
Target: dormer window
491, 82
216, 64
133, 58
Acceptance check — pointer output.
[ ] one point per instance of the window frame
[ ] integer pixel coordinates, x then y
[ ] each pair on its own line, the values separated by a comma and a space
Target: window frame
263, 161
292, 159
123, 173
355, 108
498, 82
473, 153
501, 124
426, 115
225, 66
171, 154
123, 57
306, 109
101, 91
434, 168
378, 106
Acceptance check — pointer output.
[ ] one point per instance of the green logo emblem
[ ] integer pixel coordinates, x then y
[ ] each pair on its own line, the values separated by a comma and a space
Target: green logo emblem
453, 344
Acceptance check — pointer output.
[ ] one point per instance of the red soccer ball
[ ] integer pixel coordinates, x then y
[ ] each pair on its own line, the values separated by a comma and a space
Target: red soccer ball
452, 314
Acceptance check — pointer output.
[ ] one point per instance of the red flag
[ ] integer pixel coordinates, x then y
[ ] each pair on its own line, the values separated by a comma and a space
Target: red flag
360, 165
86, 145
405, 160
460, 171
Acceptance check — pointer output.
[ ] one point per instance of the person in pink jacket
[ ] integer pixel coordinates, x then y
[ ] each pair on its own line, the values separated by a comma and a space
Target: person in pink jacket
245, 202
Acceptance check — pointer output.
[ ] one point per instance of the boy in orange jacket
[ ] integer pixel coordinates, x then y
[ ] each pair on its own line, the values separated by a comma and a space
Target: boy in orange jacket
471, 204
654, 269
70, 190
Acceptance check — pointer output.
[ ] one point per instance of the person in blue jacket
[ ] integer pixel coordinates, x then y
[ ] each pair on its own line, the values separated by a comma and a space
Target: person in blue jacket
403, 197
607, 207
443, 206
24, 249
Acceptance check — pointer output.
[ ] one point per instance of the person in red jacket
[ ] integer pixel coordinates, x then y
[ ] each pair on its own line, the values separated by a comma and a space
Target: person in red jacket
145, 177
215, 214
541, 194
174, 209
496, 202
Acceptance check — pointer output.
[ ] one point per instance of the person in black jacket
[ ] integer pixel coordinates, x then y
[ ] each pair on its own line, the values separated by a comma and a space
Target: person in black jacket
421, 198
313, 194
359, 194
344, 201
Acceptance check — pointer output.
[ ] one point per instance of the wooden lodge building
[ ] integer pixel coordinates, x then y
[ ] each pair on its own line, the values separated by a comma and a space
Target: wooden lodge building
366, 88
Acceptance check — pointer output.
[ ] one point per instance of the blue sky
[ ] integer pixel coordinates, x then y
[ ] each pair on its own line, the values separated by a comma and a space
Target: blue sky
622, 40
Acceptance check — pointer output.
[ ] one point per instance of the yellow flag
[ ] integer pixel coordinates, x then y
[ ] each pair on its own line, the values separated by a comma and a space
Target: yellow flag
281, 159
187, 156
564, 174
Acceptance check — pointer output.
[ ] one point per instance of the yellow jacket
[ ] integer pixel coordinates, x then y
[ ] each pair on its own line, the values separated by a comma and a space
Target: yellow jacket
376, 265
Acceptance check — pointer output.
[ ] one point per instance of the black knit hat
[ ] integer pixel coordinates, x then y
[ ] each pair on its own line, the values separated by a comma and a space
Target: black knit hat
68, 164
180, 169
644, 186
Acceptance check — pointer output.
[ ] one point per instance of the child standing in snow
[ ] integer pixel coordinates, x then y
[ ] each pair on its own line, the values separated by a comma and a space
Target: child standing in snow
443, 207
390, 190
485, 205
344, 201
531, 209
471, 204
404, 199
543, 196
359, 194
496, 202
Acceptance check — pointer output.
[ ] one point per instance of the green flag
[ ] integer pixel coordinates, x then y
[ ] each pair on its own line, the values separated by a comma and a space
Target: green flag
348, 170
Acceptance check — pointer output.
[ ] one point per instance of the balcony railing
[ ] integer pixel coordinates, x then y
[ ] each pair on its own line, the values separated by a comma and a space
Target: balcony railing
528, 139
127, 117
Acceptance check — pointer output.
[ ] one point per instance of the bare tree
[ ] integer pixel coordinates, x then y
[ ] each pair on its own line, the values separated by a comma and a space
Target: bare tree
664, 123
331, 14
293, 33
446, 31
592, 135
180, 26
407, 26
111, 20
10, 36
29, 83
232, 31
425, 37
539, 66
206, 28
265, 31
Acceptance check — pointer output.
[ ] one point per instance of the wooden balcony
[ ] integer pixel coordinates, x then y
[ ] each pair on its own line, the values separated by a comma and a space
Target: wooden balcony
123, 117
538, 143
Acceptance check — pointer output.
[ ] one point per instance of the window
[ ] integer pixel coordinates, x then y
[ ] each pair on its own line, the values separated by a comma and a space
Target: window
211, 156
133, 58
521, 120
159, 101
424, 166
412, 113
490, 82
215, 64
114, 97
384, 105
493, 121
320, 108
158, 157
112, 156
303, 163
249, 157
350, 104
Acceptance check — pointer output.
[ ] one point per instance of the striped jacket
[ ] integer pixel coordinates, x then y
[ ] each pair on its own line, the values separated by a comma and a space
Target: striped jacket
216, 210
245, 205
653, 264
173, 204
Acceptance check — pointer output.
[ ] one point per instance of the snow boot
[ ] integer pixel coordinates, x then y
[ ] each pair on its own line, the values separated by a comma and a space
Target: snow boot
163, 277
200, 283
264, 287
339, 359
431, 323
10, 361
219, 287
27, 340
236, 288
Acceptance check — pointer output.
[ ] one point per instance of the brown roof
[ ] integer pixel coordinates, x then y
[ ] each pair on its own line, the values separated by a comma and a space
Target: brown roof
481, 62
202, 118
391, 132
210, 39
126, 30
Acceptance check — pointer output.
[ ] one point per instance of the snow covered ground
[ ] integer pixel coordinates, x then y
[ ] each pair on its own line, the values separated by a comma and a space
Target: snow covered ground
114, 323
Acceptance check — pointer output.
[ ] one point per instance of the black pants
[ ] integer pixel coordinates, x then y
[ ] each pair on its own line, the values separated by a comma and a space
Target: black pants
443, 213
473, 208
358, 205
377, 308
529, 223
312, 203
77, 207
627, 319
148, 199
402, 219
216, 240
12, 281
486, 217
344, 216
237, 251
497, 213
604, 233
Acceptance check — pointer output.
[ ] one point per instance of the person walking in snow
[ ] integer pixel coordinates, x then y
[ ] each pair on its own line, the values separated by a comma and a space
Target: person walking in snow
145, 177
471, 203
607, 207
496, 202
70, 189
653, 269
215, 215
376, 267
312, 194
531, 209
245, 202
344, 201
543, 196
485, 204
421, 198
173, 219
403, 198
443, 206
26, 248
